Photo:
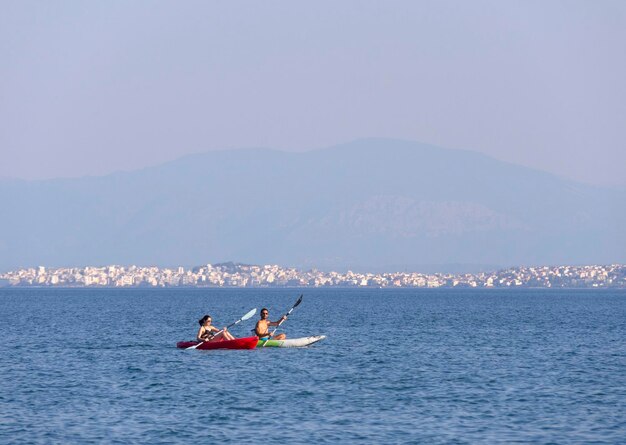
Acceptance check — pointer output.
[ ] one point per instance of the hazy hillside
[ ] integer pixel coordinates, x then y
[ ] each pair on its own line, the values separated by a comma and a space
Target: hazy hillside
369, 204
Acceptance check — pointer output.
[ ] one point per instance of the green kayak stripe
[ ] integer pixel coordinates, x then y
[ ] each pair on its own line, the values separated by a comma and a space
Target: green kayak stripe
269, 343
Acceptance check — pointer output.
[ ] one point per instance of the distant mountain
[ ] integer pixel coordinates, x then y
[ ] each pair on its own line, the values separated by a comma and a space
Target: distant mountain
370, 204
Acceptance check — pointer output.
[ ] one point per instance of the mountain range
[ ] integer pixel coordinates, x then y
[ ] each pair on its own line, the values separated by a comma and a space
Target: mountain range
371, 204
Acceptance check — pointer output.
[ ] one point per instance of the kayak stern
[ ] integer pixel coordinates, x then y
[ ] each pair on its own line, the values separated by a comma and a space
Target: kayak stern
290, 342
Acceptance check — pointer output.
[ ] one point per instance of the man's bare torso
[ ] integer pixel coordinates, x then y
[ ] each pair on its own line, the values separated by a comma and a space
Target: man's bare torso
262, 328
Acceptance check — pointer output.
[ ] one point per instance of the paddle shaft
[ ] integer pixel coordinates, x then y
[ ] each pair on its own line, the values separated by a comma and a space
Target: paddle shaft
227, 327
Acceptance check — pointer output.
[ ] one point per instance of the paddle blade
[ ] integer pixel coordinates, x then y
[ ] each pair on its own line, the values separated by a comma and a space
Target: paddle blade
249, 314
299, 301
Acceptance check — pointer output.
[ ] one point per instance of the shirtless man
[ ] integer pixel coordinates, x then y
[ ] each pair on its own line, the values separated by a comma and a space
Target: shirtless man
262, 326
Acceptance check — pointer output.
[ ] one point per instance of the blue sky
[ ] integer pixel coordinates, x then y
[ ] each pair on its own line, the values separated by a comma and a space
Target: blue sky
88, 88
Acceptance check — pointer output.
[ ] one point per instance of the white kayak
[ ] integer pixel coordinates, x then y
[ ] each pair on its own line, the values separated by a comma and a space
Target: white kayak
290, 342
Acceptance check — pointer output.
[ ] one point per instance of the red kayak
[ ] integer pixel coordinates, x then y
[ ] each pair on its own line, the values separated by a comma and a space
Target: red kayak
238, 343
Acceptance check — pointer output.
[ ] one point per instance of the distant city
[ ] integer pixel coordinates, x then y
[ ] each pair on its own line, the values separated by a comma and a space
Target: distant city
245, 275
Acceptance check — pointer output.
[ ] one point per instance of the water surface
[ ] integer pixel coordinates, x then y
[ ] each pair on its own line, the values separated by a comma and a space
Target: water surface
398, 366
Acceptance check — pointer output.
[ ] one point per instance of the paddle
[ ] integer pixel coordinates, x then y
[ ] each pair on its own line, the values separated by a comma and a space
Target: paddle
245, 317
281, 321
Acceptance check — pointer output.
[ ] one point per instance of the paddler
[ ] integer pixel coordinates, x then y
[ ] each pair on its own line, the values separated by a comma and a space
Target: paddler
207, 331
262, 326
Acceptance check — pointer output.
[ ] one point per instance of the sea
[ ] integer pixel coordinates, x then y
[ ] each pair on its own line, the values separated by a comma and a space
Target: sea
82, 366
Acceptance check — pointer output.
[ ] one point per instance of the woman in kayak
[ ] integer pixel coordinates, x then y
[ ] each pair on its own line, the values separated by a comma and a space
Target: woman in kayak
208, 332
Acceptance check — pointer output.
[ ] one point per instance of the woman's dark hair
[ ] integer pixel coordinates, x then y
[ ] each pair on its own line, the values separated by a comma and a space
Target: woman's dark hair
204, 319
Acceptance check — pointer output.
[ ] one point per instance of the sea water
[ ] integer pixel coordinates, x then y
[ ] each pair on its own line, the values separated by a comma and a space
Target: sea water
398, 366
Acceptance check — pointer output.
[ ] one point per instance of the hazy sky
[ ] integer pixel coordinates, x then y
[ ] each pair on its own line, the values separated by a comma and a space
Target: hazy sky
94, 87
